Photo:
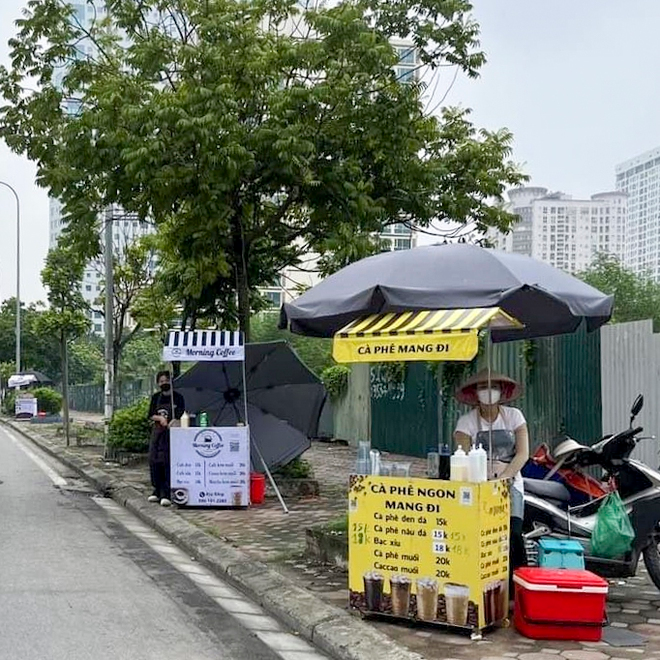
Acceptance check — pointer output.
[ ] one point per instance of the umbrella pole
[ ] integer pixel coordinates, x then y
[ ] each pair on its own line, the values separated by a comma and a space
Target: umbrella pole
254, 444
270, 476
489, 359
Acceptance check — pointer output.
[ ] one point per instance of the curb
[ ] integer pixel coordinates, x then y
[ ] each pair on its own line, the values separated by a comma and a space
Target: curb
333, 630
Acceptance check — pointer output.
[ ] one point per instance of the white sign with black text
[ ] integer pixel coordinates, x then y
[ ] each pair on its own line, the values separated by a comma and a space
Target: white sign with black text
26, 407
210, 466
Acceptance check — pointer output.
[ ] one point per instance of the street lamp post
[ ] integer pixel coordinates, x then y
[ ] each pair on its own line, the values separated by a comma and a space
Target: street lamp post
18, 276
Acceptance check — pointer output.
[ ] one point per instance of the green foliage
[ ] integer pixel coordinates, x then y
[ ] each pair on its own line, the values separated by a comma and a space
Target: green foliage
337, 525
9, 403
86, 360
315, 353
636, 297
394, 372
335, 379
130, 428
141, 358
248, 145
62, 274
298, 468
529, 350
48, 400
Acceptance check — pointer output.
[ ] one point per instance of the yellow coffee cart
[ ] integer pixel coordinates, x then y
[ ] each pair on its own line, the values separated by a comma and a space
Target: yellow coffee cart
424, 549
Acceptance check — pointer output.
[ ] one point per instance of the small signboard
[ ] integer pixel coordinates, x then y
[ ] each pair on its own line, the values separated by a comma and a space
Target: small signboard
210, 466
26, 407
204, 346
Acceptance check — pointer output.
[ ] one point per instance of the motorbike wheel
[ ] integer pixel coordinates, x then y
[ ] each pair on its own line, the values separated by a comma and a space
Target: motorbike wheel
652, 562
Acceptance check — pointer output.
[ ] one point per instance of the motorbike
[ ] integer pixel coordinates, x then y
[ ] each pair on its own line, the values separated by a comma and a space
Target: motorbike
553, 510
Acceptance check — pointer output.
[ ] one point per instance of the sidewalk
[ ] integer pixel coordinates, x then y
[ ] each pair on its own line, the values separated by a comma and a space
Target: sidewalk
266, 534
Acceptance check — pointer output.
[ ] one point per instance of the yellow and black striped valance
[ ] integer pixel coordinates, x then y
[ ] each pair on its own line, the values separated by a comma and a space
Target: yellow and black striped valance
449, 334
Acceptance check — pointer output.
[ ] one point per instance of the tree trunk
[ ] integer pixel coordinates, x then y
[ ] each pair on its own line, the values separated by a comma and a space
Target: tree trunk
116, 357
64, 348
243, 297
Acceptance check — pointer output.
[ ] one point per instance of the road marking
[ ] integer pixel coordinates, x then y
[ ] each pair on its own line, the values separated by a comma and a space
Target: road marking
57, 479
250, 615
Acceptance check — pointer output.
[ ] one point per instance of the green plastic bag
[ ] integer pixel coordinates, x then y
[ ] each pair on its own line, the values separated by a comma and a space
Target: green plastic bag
613, 533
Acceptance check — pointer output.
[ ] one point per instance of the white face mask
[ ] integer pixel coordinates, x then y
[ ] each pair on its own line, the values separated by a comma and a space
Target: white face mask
489, 397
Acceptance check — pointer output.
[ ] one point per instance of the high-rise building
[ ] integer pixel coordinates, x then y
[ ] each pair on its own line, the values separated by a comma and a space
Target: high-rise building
126, 227
639, 177
564, 232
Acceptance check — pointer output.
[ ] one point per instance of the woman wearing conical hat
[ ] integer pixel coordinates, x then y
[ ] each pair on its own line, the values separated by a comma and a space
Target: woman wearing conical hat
502, 431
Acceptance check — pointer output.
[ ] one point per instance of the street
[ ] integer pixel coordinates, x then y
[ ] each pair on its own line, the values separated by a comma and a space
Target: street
81, 578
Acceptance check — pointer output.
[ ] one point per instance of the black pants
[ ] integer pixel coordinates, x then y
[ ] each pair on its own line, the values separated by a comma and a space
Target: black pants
517, 553
160, 479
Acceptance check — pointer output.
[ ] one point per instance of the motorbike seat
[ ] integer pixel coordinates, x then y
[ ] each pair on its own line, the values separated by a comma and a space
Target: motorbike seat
547, 490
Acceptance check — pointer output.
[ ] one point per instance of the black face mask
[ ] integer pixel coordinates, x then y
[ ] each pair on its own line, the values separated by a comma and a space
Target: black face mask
165, 387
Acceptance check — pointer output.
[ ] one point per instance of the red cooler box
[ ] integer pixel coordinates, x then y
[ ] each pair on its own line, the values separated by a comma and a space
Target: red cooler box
559, 604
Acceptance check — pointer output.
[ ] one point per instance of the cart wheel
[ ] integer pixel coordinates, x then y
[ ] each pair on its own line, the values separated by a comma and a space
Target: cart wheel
476, 636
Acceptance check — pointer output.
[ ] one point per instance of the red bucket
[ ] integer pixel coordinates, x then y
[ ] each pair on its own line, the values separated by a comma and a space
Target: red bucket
257, 488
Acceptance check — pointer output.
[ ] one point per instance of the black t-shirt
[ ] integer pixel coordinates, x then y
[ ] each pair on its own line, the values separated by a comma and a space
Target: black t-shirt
161, 404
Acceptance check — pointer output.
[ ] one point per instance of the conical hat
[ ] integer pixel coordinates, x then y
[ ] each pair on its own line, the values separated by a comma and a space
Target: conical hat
467, 392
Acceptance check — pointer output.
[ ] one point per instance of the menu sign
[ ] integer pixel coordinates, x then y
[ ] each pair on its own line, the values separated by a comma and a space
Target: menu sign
435, 551
25, 406
210, 466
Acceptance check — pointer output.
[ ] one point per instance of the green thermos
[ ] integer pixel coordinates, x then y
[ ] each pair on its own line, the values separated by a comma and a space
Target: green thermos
203, 419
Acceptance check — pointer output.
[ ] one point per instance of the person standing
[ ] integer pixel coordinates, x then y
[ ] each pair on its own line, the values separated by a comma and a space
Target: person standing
502, 431
165, 407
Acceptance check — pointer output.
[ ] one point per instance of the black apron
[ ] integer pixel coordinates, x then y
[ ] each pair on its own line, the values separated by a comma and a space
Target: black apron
159, 445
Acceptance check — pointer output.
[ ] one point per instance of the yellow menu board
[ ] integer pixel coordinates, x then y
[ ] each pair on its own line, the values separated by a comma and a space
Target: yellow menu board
429, 550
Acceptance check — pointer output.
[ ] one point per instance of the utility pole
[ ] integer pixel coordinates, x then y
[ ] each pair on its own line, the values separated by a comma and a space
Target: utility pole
18, 276
108, 253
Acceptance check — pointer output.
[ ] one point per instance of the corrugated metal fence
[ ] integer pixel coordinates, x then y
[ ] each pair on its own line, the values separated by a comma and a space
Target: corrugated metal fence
630, 357
561, 383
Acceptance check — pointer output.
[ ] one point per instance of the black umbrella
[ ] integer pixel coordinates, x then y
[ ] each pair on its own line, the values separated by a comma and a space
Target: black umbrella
454, 276
284, 399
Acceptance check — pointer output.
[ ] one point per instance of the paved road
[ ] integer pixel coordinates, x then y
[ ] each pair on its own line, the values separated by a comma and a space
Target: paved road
81, 578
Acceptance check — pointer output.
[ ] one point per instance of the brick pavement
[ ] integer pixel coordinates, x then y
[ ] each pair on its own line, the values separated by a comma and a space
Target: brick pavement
269, 535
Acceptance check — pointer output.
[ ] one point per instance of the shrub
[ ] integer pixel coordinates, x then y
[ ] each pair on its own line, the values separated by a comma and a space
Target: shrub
49, 401
298, 468
130, 428
335, 380
9, 403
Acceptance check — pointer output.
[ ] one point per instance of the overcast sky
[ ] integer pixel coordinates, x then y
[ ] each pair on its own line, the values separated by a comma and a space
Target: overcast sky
575, 80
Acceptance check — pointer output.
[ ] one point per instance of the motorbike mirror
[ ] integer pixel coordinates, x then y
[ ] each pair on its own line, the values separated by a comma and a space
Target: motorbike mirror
637, 407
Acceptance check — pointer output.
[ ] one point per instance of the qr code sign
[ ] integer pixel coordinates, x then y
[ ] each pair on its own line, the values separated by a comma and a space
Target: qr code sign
466, 496
234, 446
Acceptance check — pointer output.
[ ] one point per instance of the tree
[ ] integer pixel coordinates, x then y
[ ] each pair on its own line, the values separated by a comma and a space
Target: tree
86, 360
315, 353
250, 133
65, 318
636, 297
133, 270
142, 358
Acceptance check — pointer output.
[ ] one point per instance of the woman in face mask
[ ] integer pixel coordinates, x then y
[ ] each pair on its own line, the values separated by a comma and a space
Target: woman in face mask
162, 415
502, 431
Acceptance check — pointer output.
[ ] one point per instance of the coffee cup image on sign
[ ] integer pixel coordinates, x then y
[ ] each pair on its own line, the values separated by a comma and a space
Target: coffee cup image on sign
457, 600
180, 495
427, 599
400, 593
496, 598
373, 590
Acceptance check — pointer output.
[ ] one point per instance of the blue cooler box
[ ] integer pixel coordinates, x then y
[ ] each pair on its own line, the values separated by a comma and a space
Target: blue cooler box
555, 553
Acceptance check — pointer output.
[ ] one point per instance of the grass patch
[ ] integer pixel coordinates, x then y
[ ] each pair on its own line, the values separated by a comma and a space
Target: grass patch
337, 525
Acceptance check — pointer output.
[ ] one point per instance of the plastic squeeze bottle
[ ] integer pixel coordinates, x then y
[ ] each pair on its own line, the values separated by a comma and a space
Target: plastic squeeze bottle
477, 464
459, 466
483, 462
